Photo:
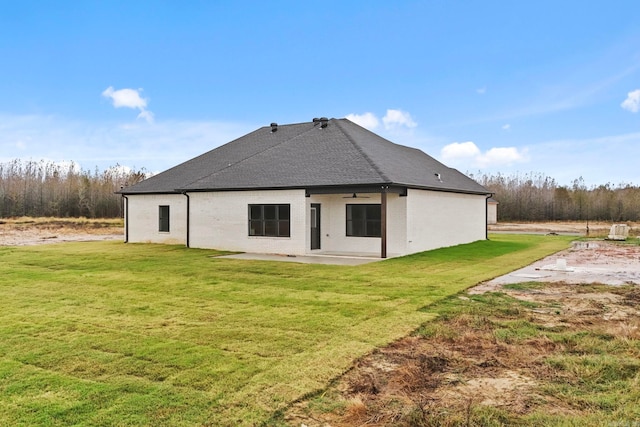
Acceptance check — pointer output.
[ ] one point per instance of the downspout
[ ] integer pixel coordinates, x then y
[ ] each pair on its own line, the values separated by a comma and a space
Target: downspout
126, 218
486, 216
188, 207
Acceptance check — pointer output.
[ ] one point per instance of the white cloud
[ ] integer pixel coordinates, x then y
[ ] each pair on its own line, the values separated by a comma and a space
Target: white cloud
459, 150
129, 98
398, 118
147, 115
481, 91
468, 154
632, 103
501, 156
366, 120
506, 127
393, 119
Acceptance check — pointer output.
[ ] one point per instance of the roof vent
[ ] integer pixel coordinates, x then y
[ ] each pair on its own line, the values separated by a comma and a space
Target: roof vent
324, 122
274, 127
438, 177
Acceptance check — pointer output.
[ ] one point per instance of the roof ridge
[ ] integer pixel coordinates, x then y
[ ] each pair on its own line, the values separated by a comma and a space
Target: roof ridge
357, 146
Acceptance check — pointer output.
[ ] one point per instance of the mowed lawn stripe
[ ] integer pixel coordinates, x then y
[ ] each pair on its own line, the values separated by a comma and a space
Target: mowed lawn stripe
108, 333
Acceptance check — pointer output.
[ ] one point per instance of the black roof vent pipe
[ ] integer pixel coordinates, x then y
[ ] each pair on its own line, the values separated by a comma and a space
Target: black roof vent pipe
274, 127
324, 122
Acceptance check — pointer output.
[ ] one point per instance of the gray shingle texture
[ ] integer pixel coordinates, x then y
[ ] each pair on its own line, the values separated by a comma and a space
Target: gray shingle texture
306, 155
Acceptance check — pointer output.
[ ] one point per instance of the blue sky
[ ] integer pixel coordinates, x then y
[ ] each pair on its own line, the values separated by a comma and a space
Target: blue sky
544, 87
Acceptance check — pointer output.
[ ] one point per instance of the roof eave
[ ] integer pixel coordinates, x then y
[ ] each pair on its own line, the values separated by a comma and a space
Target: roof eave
338, 188
448, 190
132, 193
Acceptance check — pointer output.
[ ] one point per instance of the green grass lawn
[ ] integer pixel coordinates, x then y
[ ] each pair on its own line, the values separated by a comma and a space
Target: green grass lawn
108, 333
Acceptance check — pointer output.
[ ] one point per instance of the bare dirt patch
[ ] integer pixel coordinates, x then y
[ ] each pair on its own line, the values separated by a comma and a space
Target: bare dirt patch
459, 369
581, 228
38, 231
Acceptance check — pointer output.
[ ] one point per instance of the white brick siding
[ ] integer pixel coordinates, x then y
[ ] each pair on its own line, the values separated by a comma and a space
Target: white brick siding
143, 218
422, 220
220, 220
437, 219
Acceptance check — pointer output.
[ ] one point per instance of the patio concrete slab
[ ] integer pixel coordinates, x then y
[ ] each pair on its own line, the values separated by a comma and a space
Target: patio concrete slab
306, 259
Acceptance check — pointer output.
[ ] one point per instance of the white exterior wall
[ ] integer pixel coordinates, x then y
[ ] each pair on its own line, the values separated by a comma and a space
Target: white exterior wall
492, 212
397, 221
333, 225
423, 220
438, 219
142, 220
220, 220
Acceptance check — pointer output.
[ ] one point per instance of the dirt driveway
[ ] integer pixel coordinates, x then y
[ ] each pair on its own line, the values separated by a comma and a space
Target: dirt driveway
39, 231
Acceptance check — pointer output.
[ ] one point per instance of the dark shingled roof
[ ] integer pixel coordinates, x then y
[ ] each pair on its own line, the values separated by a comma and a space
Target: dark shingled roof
307, 155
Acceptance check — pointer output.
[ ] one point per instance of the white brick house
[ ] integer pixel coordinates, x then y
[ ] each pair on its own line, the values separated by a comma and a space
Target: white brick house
326, 186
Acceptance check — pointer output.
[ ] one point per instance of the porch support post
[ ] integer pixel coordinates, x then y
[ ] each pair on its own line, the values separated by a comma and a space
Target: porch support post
383, 221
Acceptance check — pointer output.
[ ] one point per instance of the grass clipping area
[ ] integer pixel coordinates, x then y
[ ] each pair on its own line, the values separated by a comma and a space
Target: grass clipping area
106, 333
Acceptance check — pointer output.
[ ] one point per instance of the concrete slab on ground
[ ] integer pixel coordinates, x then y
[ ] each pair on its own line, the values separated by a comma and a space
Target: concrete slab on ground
585, 262
306, 259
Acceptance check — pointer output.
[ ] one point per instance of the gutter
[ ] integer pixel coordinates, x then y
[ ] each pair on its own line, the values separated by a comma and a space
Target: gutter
373, 188
188, 208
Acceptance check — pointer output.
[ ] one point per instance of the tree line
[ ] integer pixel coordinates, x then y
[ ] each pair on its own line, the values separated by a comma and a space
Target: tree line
537, 197
41, 188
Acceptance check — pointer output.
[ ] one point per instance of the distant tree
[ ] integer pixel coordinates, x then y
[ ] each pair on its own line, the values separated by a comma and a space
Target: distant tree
50, 189
536, 197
